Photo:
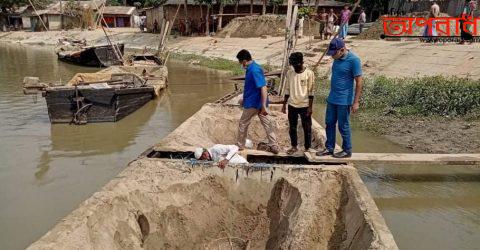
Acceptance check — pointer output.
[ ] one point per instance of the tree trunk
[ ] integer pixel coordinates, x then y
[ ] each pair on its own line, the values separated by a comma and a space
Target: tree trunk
207, 21
220, 17
317, 2
264, 7
187, 23
201, 9
236, 7
251, 7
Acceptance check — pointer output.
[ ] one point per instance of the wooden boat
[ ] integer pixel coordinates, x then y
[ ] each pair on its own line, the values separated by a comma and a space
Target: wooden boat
77, 52
144, 59
93, 97
147, 66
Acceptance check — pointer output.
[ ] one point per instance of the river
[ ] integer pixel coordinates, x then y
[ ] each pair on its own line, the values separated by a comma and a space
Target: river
47, 170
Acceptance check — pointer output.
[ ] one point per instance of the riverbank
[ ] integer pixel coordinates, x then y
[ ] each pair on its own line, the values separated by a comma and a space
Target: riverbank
392, 59
433, 134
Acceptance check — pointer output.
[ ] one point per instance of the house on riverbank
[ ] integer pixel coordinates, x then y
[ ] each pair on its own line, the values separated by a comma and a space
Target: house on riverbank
16, 19
66, 14
119, 16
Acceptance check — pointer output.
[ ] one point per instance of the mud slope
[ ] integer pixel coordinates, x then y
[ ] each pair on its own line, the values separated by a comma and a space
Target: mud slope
159, 204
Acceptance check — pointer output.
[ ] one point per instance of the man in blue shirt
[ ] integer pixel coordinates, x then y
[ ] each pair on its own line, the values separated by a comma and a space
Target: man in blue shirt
254, 102
346, 70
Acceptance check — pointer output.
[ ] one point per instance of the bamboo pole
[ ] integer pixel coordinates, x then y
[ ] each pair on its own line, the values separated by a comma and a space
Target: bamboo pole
39, 17
289, 45
287, 31
165, 38
162, 30
115, 48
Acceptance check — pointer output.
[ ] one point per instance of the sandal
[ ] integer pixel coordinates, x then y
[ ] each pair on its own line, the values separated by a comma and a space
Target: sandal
292, 151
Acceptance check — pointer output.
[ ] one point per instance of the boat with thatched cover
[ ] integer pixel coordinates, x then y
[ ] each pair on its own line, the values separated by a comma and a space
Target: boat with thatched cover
93, 97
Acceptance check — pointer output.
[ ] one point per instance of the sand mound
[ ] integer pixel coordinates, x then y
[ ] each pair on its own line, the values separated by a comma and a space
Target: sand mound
157, 204
217, 124
256, 26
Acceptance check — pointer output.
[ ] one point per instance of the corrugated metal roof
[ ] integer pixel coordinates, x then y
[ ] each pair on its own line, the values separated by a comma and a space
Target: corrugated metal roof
118, 10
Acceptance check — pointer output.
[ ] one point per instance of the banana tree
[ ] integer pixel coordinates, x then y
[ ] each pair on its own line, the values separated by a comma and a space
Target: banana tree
236, 5
220, 12
187, 23
209, 4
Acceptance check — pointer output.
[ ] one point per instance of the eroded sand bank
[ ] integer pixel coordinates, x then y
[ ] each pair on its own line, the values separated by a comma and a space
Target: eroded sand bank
158, 203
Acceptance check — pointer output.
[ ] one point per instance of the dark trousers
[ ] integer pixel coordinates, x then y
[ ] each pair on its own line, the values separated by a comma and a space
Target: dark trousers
338, 114
293, 114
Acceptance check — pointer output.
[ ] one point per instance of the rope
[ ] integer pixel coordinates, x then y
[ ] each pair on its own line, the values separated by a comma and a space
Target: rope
39, 17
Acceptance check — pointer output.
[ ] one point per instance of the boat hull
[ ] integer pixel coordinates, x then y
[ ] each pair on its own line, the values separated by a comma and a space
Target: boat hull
97, 56
101, 105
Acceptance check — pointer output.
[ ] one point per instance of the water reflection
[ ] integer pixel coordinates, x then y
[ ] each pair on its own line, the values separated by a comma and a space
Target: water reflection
47, 170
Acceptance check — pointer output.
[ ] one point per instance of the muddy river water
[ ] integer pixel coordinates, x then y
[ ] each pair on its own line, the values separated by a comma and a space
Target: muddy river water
47, 170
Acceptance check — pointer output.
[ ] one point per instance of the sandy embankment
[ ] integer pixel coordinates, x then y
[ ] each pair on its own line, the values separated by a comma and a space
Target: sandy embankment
158, 203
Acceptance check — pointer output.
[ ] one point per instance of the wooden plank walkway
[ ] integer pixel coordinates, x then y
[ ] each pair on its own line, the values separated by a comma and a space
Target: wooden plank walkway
394, 158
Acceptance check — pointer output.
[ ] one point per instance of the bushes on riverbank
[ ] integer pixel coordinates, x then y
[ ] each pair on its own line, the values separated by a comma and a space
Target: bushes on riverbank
424, 96
214, 63
438, 95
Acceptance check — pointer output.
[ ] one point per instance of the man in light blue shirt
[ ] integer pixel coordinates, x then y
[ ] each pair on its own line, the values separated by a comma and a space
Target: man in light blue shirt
346, 72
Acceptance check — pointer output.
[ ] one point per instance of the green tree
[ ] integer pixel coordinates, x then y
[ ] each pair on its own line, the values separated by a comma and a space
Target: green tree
154, 3
275, 4
114, 2
9, 4
305, 12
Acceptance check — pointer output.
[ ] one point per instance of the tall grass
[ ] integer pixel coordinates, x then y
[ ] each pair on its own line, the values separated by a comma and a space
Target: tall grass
215, 63
426, 96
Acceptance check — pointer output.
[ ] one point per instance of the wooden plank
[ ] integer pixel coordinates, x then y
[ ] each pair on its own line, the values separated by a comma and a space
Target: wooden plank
394, 158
